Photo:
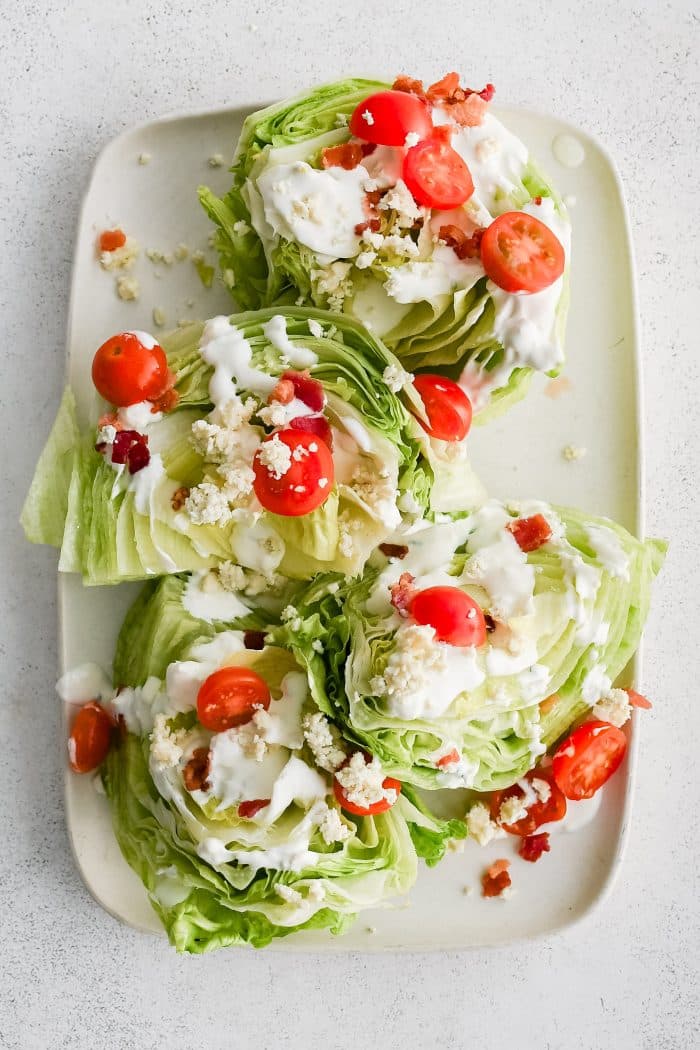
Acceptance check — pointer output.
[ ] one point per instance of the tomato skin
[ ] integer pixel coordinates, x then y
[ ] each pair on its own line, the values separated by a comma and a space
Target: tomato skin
436, 175
370, 811
455, 617
279, 495
90, 738
125, 372
229, 697
447, 407
539, 812
588, 758
521, 254
393, 115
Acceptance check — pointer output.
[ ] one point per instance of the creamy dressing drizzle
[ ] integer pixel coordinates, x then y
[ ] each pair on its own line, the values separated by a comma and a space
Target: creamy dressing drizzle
227, 350
275, 331
205, 598
85, 682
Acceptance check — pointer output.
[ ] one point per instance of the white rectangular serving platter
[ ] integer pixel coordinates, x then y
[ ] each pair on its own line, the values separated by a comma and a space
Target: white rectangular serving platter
520, 455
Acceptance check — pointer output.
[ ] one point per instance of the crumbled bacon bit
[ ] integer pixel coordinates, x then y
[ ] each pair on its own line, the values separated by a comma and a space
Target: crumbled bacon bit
444, 88
110, 240
530, 533
347, 155
110, 419
402, 593
167, 401
637, 700
196, 772
495, 879
177, 500
409, 85
254, 640
548, 703
283, 392
308, 390
248, 809
449, 759
373, 198
469, 112
394, 550
533, 846
466, 106
490, 622
537, 199
371, 224
465, 246
317, 425
368, 148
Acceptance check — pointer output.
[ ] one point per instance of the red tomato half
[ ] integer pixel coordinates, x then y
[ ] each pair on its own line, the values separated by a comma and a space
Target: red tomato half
447, 407
539, 812
436, 175
229, 698
306, 483
126, 372
521, 254
90, 738
455, 617
588, 758
389, 116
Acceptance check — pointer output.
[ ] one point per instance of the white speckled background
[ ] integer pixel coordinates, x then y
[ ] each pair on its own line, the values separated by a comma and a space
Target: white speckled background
69, 975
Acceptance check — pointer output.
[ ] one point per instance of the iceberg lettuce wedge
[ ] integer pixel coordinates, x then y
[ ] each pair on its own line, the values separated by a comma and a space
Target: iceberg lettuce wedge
193, 507
566, 620
432, 309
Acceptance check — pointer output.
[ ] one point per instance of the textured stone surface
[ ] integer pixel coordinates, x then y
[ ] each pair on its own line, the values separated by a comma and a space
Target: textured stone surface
73, 76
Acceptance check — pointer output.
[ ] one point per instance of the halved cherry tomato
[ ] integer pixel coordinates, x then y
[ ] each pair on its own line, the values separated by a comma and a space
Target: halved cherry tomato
126, 372
436, 175
110, 240
455, 617
389, 116
637, 700
305, 485
90, 738
588, 758
539, 812
447, 407
521, 254
368, 811
229, 698
530, 533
